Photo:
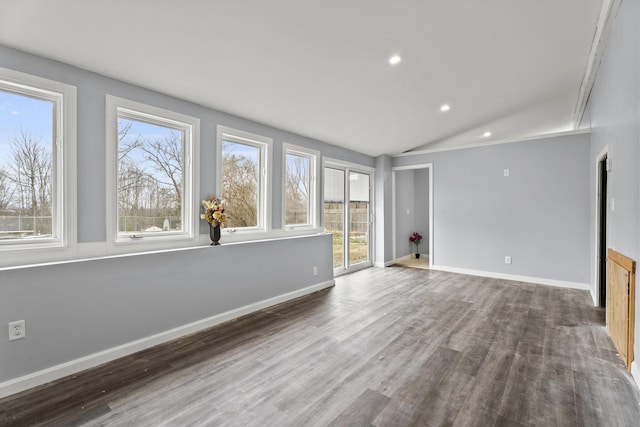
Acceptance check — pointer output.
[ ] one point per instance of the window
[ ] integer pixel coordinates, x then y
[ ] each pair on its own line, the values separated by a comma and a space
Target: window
243, 179
37, 163
299, 187
152, 183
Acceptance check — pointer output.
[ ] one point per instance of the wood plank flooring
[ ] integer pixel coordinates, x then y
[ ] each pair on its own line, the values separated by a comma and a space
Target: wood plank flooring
385, 347
412, 261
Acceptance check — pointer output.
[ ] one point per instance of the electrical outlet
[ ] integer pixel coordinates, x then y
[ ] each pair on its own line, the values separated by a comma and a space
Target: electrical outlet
17, 330
507, 260
315, 270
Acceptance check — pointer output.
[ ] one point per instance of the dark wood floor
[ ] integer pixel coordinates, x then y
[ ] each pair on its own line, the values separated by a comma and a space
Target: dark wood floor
385, 347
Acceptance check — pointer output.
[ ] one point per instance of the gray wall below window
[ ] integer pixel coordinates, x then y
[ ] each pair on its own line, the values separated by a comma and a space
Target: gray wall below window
539, 215
77, 309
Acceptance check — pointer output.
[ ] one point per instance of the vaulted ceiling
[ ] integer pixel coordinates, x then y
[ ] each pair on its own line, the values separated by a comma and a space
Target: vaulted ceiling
321, 69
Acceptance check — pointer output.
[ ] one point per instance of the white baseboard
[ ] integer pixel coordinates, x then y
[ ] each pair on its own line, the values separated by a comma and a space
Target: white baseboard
527, 279
635, 372
53, 373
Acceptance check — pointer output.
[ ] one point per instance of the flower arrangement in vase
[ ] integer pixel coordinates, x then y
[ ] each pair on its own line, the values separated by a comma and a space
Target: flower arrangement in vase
416, 238
213, 213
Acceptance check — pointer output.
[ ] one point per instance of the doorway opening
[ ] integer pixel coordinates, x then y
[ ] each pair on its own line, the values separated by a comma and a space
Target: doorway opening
601, 229
412, 211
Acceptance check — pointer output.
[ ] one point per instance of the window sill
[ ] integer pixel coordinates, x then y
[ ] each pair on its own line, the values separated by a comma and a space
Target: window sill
102, 250
241, 237
152, 241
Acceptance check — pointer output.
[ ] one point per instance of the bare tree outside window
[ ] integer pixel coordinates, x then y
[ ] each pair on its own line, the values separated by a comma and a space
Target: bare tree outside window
30, 172
150, 174
298, 183
26, 166
6, 191
241, 183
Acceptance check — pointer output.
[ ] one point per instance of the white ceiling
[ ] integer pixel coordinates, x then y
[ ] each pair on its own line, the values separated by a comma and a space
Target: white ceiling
320, 68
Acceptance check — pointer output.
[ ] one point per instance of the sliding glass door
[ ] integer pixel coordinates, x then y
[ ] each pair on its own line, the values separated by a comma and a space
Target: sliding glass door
334, 212
347, 216
359, 218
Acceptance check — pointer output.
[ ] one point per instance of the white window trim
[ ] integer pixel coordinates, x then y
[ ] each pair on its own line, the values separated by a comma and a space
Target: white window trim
115, 107
314, 172
265, 144
65, 201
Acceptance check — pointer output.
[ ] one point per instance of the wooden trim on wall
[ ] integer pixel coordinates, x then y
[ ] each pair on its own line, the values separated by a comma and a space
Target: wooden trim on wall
620, 315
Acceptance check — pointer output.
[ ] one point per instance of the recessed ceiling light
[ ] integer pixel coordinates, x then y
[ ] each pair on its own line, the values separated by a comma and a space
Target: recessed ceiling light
395, 59
445, 107
486, 134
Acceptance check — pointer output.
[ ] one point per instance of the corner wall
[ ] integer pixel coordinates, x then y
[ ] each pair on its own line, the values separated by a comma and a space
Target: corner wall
383, 212
613, 113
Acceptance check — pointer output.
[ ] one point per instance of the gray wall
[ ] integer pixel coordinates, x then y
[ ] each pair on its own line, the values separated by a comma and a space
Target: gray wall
77, 308
80, 308
539, 215
614, 115
421, 207
405, 212
383, 225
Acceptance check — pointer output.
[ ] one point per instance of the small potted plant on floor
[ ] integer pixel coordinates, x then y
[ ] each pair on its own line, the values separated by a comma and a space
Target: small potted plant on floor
416, 238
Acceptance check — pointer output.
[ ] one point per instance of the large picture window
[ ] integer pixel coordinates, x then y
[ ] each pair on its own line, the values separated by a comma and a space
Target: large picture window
153, 176
242, 178
27, 183
299, 187
37, 151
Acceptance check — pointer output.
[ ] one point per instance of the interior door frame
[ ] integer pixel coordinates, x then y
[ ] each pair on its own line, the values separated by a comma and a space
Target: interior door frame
604, 154
395, 169
349, 167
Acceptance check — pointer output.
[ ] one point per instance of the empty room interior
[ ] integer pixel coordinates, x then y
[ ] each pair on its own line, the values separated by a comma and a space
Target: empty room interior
319, 213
